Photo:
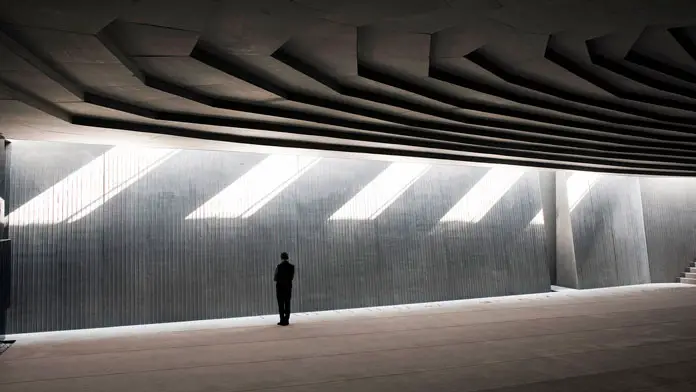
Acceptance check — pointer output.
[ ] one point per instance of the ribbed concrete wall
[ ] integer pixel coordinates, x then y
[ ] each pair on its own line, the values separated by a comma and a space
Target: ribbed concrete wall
609, 235
566, 268
100, 236
5, 244
547, 184
669, 212
134, 257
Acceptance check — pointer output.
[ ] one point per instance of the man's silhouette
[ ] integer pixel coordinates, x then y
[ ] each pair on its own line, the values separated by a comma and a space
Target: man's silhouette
284, 274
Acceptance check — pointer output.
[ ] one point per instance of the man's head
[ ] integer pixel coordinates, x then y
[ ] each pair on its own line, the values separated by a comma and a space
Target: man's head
284, 256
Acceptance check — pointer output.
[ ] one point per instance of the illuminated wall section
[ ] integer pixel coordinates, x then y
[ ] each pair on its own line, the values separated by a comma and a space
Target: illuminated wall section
90, 187
578, 186
483, 196
669, 213
106, 236
609, 236
379, 194
254, 189
111, 236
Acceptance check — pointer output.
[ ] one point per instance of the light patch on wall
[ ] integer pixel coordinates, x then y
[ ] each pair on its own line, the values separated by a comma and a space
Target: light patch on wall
578, 185
381, 192
89, 187
255, 188
483, 196
2, 211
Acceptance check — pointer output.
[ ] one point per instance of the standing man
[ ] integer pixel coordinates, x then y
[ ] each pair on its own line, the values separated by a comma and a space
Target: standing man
284, 273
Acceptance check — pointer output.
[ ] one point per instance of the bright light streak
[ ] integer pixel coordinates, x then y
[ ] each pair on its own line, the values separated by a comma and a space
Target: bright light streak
483, 196
381, 192
578, 185
89, 187
255, 188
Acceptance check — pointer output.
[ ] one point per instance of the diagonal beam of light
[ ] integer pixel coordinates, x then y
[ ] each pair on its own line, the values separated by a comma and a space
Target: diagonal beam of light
89, 187
483, 196
578, 185
381, 192
253, 190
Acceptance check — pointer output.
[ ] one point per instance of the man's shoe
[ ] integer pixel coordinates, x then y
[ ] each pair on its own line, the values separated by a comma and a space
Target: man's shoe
281, 323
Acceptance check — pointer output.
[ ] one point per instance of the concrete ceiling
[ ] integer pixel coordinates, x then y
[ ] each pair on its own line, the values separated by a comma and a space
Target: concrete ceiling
573, 84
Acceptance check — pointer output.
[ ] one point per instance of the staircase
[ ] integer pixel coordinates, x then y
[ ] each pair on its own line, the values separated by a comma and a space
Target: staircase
689, 277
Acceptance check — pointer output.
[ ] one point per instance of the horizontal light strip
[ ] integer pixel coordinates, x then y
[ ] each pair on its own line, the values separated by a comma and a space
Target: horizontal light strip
483, 196
89, 187
250, 192
578, 185
381, 192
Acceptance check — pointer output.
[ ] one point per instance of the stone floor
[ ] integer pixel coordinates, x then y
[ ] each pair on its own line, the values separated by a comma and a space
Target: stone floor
639, 338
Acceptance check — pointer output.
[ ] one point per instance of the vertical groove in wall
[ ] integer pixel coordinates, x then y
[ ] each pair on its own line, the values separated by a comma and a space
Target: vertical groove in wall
150, 254
566, 267
547, 185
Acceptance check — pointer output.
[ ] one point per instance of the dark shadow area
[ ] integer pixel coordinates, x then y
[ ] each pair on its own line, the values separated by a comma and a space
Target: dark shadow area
674, 376
5, 345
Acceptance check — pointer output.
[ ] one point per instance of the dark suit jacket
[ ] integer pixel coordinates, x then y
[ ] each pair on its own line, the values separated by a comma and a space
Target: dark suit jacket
284, 274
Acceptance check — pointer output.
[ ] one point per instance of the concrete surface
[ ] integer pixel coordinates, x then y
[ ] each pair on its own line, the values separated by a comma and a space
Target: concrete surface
572, 84
638, 338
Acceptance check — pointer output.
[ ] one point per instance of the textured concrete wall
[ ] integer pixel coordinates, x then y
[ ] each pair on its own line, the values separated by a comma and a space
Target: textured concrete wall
547, 184
609, 235
566, 267
669, 213
136, 259
4, 187
5, 244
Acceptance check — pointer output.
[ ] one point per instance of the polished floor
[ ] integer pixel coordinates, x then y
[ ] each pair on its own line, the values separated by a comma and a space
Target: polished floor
639, 338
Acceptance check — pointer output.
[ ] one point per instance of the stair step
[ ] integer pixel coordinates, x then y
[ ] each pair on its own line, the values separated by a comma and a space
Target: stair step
692, 269
687, 280
690, 275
